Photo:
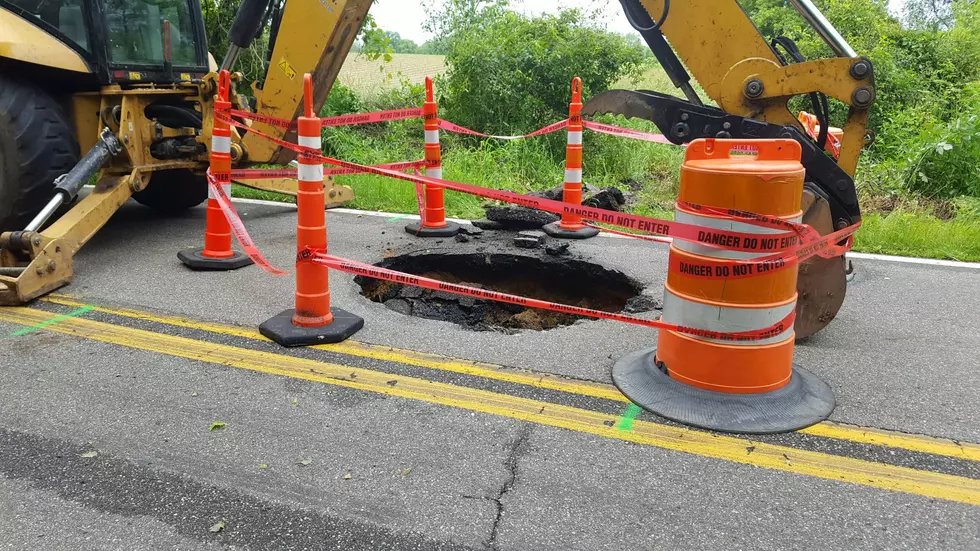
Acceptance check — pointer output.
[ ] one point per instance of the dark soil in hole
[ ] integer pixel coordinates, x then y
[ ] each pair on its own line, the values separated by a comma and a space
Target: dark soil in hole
562, 280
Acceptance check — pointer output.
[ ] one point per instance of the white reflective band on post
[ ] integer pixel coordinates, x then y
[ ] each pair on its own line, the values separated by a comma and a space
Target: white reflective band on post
726, 224
431, 137
575, 137
226, 187
726, 319
434, 173
310, 141
220, 144
573, 175
309, 173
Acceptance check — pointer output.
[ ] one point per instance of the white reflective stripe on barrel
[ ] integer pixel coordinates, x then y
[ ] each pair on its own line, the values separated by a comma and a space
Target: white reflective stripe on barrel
220, 144
699, 315
573, 175
226, 187
685, 217
574, 137
433, 173
310, 141
431, 137
310, 173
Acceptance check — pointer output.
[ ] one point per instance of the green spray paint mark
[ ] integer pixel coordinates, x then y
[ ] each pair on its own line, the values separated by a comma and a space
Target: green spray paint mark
52, 321
626, 421
399, 217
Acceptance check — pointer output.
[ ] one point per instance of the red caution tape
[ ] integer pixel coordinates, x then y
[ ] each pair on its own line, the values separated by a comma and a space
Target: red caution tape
639, 236
360, 268
255, 174
789, 242
238, 227
260, 173
259, 117
453, 127
627, 133
339, 120
376, 116
405, 165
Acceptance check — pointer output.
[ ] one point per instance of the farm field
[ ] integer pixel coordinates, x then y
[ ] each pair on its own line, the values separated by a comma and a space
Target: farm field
369, 77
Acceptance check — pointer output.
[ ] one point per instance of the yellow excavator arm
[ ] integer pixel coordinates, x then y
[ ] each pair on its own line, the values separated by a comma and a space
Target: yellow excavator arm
310, 36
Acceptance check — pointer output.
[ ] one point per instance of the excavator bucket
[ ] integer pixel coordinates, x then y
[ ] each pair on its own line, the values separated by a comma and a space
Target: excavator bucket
822, 281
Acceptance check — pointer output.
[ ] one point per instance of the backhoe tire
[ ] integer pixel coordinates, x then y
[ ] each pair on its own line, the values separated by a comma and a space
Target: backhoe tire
37, 144
174, 190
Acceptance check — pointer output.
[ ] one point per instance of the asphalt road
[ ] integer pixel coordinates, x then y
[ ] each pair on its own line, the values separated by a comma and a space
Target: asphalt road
307, 462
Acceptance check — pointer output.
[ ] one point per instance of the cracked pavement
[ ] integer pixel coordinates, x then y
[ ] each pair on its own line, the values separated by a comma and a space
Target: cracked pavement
302, 464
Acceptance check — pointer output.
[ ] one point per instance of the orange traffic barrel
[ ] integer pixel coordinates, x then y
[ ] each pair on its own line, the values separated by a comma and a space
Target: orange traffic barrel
724, 384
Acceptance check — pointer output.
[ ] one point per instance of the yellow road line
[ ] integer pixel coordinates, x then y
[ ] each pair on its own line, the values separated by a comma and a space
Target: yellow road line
385, 353
863, 435
781, 458
912, 442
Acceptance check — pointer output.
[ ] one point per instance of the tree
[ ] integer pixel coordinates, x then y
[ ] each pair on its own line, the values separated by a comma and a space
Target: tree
932, 15
400, 45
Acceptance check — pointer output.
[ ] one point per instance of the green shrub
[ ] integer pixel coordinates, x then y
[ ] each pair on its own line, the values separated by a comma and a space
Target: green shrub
947, 164
340, 101
510, 72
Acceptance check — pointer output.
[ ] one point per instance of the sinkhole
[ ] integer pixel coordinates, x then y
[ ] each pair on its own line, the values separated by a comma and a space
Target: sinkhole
555, 279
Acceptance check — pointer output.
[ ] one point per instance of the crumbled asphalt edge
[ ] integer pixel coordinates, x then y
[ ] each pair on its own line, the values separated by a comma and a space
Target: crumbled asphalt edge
517, 217
119, 487
867, 452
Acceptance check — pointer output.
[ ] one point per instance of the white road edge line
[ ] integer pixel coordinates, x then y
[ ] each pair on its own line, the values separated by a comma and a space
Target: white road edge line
915, 260
853, 255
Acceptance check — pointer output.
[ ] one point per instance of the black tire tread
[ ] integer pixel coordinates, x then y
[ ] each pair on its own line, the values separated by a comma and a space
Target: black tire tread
41, 140
174, 190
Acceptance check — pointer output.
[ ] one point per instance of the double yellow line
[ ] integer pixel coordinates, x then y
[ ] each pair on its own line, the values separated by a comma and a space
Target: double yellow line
827, 429
782, 458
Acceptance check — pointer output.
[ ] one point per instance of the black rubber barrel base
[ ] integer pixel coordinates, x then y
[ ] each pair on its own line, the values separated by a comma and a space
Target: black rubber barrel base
554, 229
416, 229
805, 401
195, 260
280, 329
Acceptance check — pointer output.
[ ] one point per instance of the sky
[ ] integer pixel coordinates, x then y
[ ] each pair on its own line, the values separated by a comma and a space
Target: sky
407, 17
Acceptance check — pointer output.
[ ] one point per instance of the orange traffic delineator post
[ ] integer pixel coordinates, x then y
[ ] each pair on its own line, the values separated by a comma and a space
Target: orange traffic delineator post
217, 253
571, 226
731, 386
312, 321
433, 222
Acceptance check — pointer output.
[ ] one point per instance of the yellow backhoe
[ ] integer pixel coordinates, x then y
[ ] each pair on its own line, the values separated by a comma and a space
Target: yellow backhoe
131, 83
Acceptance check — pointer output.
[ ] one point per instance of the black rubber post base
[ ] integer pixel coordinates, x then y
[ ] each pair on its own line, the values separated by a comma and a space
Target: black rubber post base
416, 229
195, 260
554, 229
805, 401
280, 329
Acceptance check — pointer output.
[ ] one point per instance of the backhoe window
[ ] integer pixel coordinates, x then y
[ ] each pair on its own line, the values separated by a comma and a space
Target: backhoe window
136, 32
65, 15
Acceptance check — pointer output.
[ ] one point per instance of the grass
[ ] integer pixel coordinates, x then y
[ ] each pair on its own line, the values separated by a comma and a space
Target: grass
918, 234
